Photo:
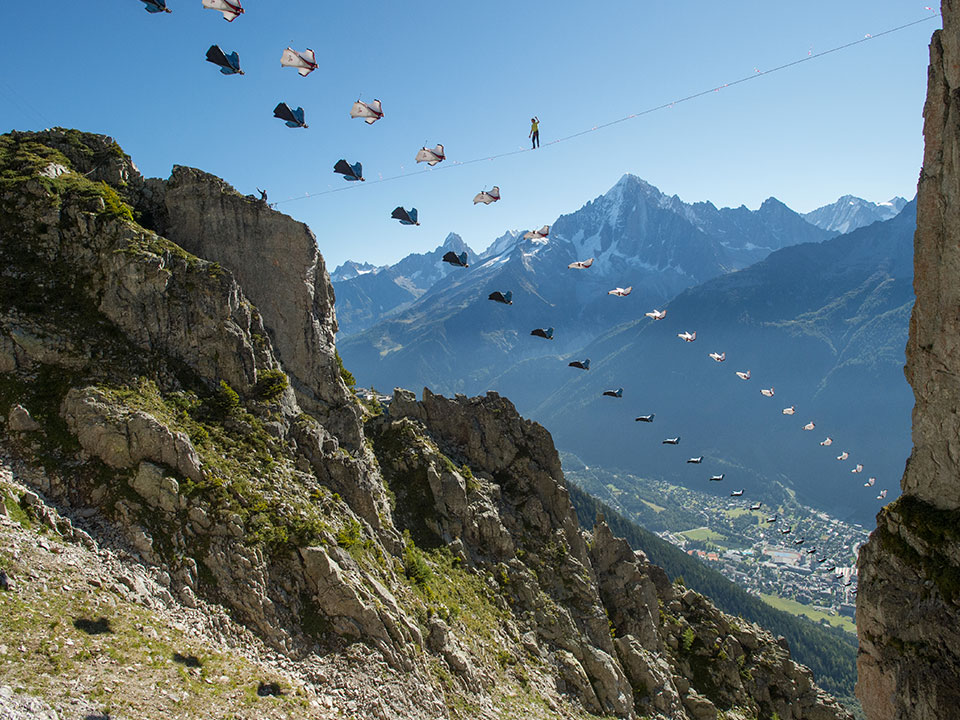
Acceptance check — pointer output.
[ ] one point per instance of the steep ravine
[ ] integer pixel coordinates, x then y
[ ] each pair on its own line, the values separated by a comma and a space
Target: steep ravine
175, 395
909, 594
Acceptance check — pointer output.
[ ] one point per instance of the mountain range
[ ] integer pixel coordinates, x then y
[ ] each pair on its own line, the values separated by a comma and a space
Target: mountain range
820, 317
366, 294
452, 339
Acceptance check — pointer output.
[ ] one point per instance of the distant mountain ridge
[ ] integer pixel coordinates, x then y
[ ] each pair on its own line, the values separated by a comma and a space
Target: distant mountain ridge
351, 269
629, 221
452, 339
850, 213
366, 293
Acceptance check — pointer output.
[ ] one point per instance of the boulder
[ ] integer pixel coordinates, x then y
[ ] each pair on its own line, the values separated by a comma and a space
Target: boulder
156, 488
19, 420
122, 438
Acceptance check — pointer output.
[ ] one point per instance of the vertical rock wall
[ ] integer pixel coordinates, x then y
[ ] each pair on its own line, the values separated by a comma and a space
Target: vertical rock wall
909, 594
933, 350
276, 261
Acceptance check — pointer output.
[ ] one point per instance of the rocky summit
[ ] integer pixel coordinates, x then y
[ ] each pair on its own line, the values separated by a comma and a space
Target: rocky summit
200, 519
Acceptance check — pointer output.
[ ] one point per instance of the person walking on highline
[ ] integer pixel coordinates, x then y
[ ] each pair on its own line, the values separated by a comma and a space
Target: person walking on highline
534, 132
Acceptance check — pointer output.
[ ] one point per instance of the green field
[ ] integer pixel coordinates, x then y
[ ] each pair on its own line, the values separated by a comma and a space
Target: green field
653, 506
613, 490
704, 534
815, 614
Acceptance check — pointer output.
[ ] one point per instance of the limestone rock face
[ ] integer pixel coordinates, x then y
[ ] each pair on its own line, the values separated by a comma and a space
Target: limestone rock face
276, 261
933, 347
909, 595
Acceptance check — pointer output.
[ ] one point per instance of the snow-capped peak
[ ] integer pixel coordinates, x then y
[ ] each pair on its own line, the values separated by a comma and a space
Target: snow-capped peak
851, 212
501, 245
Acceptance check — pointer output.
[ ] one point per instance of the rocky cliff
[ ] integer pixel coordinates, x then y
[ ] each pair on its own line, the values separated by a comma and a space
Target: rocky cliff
909, 596
173, 400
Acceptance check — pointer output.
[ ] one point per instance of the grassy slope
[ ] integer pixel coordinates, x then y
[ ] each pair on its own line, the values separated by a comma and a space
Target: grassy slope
68, 619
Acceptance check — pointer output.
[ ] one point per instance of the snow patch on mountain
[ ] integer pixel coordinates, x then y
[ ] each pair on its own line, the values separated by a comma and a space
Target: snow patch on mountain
502, 244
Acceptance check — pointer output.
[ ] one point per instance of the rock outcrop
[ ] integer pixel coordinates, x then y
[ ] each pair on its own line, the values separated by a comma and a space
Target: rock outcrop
471, 474
276, 261
909, 590
194, 408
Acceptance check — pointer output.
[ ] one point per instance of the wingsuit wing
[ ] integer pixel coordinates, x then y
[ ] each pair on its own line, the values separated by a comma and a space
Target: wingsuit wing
360, 110
228, 64
284, 112
217, 57
231, 10
370, 113
290, 58
350, 172
398, 212
305, 62
155, 6
234, 60
454, 259
424, 155
310, 58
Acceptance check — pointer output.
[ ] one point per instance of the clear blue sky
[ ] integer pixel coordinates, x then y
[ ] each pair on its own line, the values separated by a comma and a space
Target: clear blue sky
470, 76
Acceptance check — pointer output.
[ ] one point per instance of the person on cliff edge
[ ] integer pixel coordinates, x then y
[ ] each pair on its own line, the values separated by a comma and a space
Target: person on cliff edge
534, 132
